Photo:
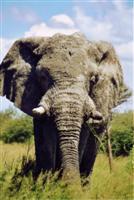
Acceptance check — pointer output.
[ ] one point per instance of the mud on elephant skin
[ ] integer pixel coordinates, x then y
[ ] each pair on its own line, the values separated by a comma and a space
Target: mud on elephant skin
68, 81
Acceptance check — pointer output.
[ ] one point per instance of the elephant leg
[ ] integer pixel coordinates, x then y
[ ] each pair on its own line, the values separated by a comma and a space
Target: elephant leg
88, 148
45, 145
84, 135
89, 156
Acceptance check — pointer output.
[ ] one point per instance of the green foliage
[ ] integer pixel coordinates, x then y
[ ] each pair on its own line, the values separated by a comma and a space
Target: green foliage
6, 116
104, 185
130, 163
15, 129
121, 134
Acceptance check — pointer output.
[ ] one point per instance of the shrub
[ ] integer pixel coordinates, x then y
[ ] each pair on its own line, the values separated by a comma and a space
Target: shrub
121, 134
8, 115
17, 130
122, 142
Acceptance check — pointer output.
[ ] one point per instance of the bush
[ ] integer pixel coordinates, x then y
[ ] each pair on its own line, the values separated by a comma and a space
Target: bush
122, 142
17, 130
121, 134
8, 115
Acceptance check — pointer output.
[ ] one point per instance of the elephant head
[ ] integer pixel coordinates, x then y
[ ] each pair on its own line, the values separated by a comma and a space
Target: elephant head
73, 79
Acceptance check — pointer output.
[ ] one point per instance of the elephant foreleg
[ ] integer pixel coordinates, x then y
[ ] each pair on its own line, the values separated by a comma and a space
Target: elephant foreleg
89, 155
45, 145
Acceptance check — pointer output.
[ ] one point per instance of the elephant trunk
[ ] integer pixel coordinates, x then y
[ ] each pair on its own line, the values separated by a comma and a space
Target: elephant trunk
69, 132
68, 111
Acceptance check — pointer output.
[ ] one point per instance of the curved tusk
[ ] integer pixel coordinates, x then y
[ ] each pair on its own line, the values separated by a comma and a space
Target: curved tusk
43, 106
90, 110
96, 115
38, 111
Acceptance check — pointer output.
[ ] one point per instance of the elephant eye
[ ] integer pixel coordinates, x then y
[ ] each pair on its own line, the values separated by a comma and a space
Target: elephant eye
94, 79
114, 82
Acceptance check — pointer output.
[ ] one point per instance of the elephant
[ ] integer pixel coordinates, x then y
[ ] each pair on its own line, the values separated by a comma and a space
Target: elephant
69, 85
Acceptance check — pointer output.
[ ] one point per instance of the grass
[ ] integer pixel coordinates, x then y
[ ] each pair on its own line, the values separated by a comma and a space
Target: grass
104, 185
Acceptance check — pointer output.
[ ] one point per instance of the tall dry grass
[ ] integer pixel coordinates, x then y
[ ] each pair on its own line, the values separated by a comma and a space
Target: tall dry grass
104, 185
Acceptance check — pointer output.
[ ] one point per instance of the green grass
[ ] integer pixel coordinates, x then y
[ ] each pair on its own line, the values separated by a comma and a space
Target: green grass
104, 185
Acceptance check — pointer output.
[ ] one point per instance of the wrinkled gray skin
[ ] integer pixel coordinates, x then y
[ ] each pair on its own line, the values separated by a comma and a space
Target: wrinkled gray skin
75, 77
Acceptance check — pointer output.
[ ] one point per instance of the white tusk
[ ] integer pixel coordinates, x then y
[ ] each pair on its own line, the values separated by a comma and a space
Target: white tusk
39, 110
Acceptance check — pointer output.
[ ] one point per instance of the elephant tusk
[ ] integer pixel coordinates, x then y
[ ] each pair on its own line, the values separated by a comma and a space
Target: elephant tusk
41, 109
38, 111
90, 110
96, 115
44, 105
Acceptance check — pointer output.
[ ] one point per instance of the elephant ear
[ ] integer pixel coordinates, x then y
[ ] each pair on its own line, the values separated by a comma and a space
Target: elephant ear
110, 90
18, 74
109, 64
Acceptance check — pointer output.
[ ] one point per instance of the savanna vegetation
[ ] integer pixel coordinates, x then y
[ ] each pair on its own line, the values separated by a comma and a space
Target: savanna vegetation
17, 155
121, 131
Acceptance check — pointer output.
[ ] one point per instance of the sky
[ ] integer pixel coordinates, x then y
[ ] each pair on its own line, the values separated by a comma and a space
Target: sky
97, 19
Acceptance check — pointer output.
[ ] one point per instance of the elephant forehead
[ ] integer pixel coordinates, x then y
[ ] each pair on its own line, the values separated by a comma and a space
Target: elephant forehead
62, 42
59, 62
